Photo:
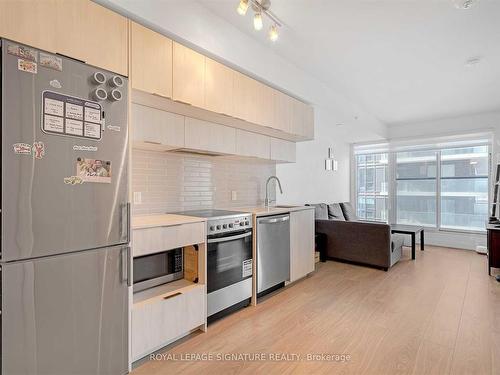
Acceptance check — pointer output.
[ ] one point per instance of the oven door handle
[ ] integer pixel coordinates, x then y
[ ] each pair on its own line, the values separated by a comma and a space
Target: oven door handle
224, 239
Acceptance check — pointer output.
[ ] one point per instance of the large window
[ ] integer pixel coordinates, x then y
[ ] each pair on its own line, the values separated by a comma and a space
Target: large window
444, 188
371, 186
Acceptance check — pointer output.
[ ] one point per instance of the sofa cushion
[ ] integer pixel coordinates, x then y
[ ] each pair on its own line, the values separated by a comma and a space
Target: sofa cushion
335, 212
320, 211
348, 210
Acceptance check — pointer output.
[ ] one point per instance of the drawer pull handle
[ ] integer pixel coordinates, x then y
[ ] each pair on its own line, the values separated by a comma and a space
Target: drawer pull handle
173, 295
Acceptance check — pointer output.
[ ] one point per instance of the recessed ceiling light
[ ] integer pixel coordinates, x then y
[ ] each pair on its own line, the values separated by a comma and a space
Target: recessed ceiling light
464, 4
473, 61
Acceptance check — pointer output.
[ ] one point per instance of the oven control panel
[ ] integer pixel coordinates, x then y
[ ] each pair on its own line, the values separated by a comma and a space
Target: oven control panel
229, 224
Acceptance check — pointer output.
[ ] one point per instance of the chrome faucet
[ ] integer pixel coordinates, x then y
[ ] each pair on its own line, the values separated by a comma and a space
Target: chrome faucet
268, 201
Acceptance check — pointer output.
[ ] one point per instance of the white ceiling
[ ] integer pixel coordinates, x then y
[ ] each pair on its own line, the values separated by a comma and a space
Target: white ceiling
403, 60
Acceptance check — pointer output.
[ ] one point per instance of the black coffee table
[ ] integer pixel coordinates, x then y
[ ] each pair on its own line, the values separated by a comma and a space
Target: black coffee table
412, 231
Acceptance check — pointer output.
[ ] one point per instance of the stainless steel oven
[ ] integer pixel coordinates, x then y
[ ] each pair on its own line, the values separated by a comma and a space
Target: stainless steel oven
159, 268
229, 260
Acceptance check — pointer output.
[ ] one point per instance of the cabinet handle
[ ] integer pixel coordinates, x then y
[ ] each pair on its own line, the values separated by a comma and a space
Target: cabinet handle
153, 142
173, 295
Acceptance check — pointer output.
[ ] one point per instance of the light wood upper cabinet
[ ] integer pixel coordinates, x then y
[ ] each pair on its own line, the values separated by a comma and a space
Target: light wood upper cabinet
301, 243
246, 98
253, 145
80, 29
308, 122
151, 61
207, 136
188, 76
153, 129
219, 80
283, 151
282, 111
30, 22
265, 106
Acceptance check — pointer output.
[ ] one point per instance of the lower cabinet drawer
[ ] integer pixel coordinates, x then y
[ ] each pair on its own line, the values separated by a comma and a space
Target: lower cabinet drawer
153, 240
159, 322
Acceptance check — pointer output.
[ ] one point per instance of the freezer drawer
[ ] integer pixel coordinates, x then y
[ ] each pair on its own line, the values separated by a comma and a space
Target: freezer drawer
273, 251
66, 314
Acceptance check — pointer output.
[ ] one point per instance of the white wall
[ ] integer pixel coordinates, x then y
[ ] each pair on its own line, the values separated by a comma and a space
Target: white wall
192, 24
307, 181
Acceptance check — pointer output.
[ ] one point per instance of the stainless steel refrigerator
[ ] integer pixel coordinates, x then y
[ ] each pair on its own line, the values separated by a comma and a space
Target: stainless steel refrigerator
64, 215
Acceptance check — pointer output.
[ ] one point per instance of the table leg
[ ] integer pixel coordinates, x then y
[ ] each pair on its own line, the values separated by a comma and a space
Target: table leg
422, 240
413, 246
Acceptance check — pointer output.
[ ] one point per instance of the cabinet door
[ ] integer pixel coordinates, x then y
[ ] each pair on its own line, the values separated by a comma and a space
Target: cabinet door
29, 22
80, 29
252, 144
265, 106
151, 64
207, 136
91, 33
282, 111
218, 87
301, 243
188, 76
283, 151
155, 129
308, 121
297, 121
246, 103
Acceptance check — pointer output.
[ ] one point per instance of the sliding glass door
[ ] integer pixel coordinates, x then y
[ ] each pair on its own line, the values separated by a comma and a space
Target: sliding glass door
464, 188
416, 189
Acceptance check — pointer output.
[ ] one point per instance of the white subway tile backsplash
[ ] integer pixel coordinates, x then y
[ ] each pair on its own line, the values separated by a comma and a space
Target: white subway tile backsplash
171, 182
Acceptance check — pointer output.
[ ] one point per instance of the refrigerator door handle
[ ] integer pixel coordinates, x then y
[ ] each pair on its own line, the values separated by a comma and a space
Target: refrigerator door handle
126, 266
125, 222
129, 223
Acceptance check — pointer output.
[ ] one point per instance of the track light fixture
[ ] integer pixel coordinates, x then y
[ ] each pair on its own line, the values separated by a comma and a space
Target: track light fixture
261, 8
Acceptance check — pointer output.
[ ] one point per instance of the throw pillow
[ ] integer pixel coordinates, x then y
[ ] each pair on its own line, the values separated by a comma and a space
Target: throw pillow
335, 212
348, 210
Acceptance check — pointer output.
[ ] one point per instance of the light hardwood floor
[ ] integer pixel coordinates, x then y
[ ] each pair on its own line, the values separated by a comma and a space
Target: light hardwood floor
439, 315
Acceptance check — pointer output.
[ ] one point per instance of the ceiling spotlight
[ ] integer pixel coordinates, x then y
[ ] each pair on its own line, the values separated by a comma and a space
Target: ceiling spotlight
257, 21
243, 7
273, 33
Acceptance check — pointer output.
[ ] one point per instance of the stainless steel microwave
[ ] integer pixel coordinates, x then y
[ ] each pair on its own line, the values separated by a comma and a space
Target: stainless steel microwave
160, 268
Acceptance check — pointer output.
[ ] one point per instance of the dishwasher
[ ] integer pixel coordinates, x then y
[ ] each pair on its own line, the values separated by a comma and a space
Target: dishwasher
273, 252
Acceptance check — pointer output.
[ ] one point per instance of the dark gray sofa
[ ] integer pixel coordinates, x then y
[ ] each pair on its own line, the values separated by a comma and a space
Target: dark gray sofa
348, 239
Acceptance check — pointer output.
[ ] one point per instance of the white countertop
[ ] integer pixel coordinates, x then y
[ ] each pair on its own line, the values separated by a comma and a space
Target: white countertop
163, 220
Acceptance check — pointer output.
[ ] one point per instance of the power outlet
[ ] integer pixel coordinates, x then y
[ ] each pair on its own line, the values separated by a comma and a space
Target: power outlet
234, 195
137, 197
